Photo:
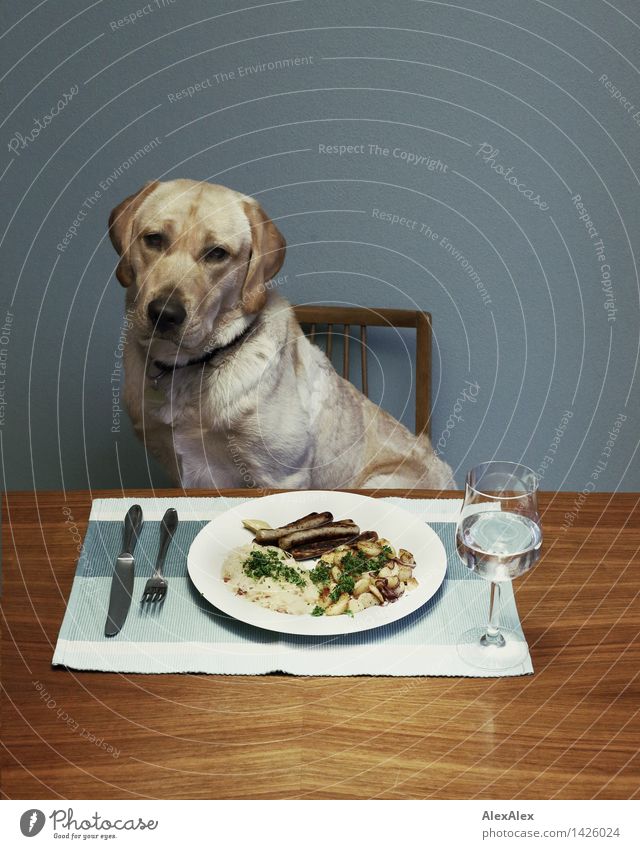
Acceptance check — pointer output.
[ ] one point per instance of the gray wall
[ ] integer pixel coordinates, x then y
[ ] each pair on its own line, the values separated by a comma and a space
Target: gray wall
524, 307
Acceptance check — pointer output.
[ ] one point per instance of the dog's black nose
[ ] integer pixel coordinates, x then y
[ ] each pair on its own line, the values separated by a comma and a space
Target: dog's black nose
166, 315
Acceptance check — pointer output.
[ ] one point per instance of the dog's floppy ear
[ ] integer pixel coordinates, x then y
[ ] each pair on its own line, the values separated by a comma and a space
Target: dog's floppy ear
267, 255
121, 230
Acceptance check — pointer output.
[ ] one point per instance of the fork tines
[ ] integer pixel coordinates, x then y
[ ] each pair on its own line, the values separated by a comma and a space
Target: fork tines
154, 592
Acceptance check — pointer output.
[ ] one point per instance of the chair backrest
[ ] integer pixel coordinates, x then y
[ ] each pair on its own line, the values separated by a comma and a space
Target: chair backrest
312, 318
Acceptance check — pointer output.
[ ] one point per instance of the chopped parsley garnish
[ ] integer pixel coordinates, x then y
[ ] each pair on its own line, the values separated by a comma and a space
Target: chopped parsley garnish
317, 611
355, 563
320, 574
267, 564
345, 584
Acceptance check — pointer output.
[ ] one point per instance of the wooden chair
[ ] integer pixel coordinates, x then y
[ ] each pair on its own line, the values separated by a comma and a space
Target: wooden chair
313, 317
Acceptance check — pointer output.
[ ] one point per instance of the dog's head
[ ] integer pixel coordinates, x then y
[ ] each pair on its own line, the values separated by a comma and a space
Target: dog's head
195, 258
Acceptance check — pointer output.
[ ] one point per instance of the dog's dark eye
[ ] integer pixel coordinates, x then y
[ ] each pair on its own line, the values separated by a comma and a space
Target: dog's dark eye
154, 241
214, 254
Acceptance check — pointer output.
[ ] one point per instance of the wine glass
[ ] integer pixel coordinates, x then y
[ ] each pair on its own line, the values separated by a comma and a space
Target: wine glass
499, 537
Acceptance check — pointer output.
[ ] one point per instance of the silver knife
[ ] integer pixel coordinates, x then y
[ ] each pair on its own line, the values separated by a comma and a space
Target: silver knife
122, 581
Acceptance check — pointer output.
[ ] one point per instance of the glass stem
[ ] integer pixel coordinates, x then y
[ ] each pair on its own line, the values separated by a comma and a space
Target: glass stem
493, 637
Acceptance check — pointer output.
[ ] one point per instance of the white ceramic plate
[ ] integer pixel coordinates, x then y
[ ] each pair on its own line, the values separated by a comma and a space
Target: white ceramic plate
404, 530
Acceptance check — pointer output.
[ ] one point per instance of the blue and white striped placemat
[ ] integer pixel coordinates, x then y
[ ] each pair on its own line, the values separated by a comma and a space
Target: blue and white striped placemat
187, 634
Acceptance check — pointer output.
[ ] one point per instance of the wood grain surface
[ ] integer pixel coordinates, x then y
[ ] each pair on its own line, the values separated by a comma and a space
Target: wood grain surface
569, 731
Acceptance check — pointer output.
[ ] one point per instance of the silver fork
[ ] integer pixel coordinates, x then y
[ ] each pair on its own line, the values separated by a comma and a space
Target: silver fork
156, 587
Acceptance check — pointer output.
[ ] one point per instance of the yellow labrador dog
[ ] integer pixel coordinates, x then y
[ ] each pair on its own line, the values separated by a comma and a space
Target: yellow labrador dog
221, 383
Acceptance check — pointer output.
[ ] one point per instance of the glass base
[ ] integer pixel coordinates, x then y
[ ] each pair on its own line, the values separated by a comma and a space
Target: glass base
477, 650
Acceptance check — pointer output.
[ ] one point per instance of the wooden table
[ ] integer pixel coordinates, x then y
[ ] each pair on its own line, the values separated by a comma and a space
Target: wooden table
569, 731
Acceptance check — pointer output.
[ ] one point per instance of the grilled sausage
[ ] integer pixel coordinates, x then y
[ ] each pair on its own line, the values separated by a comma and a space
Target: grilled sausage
312, 520
367, 536
272, 535
317, 549
331, 531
